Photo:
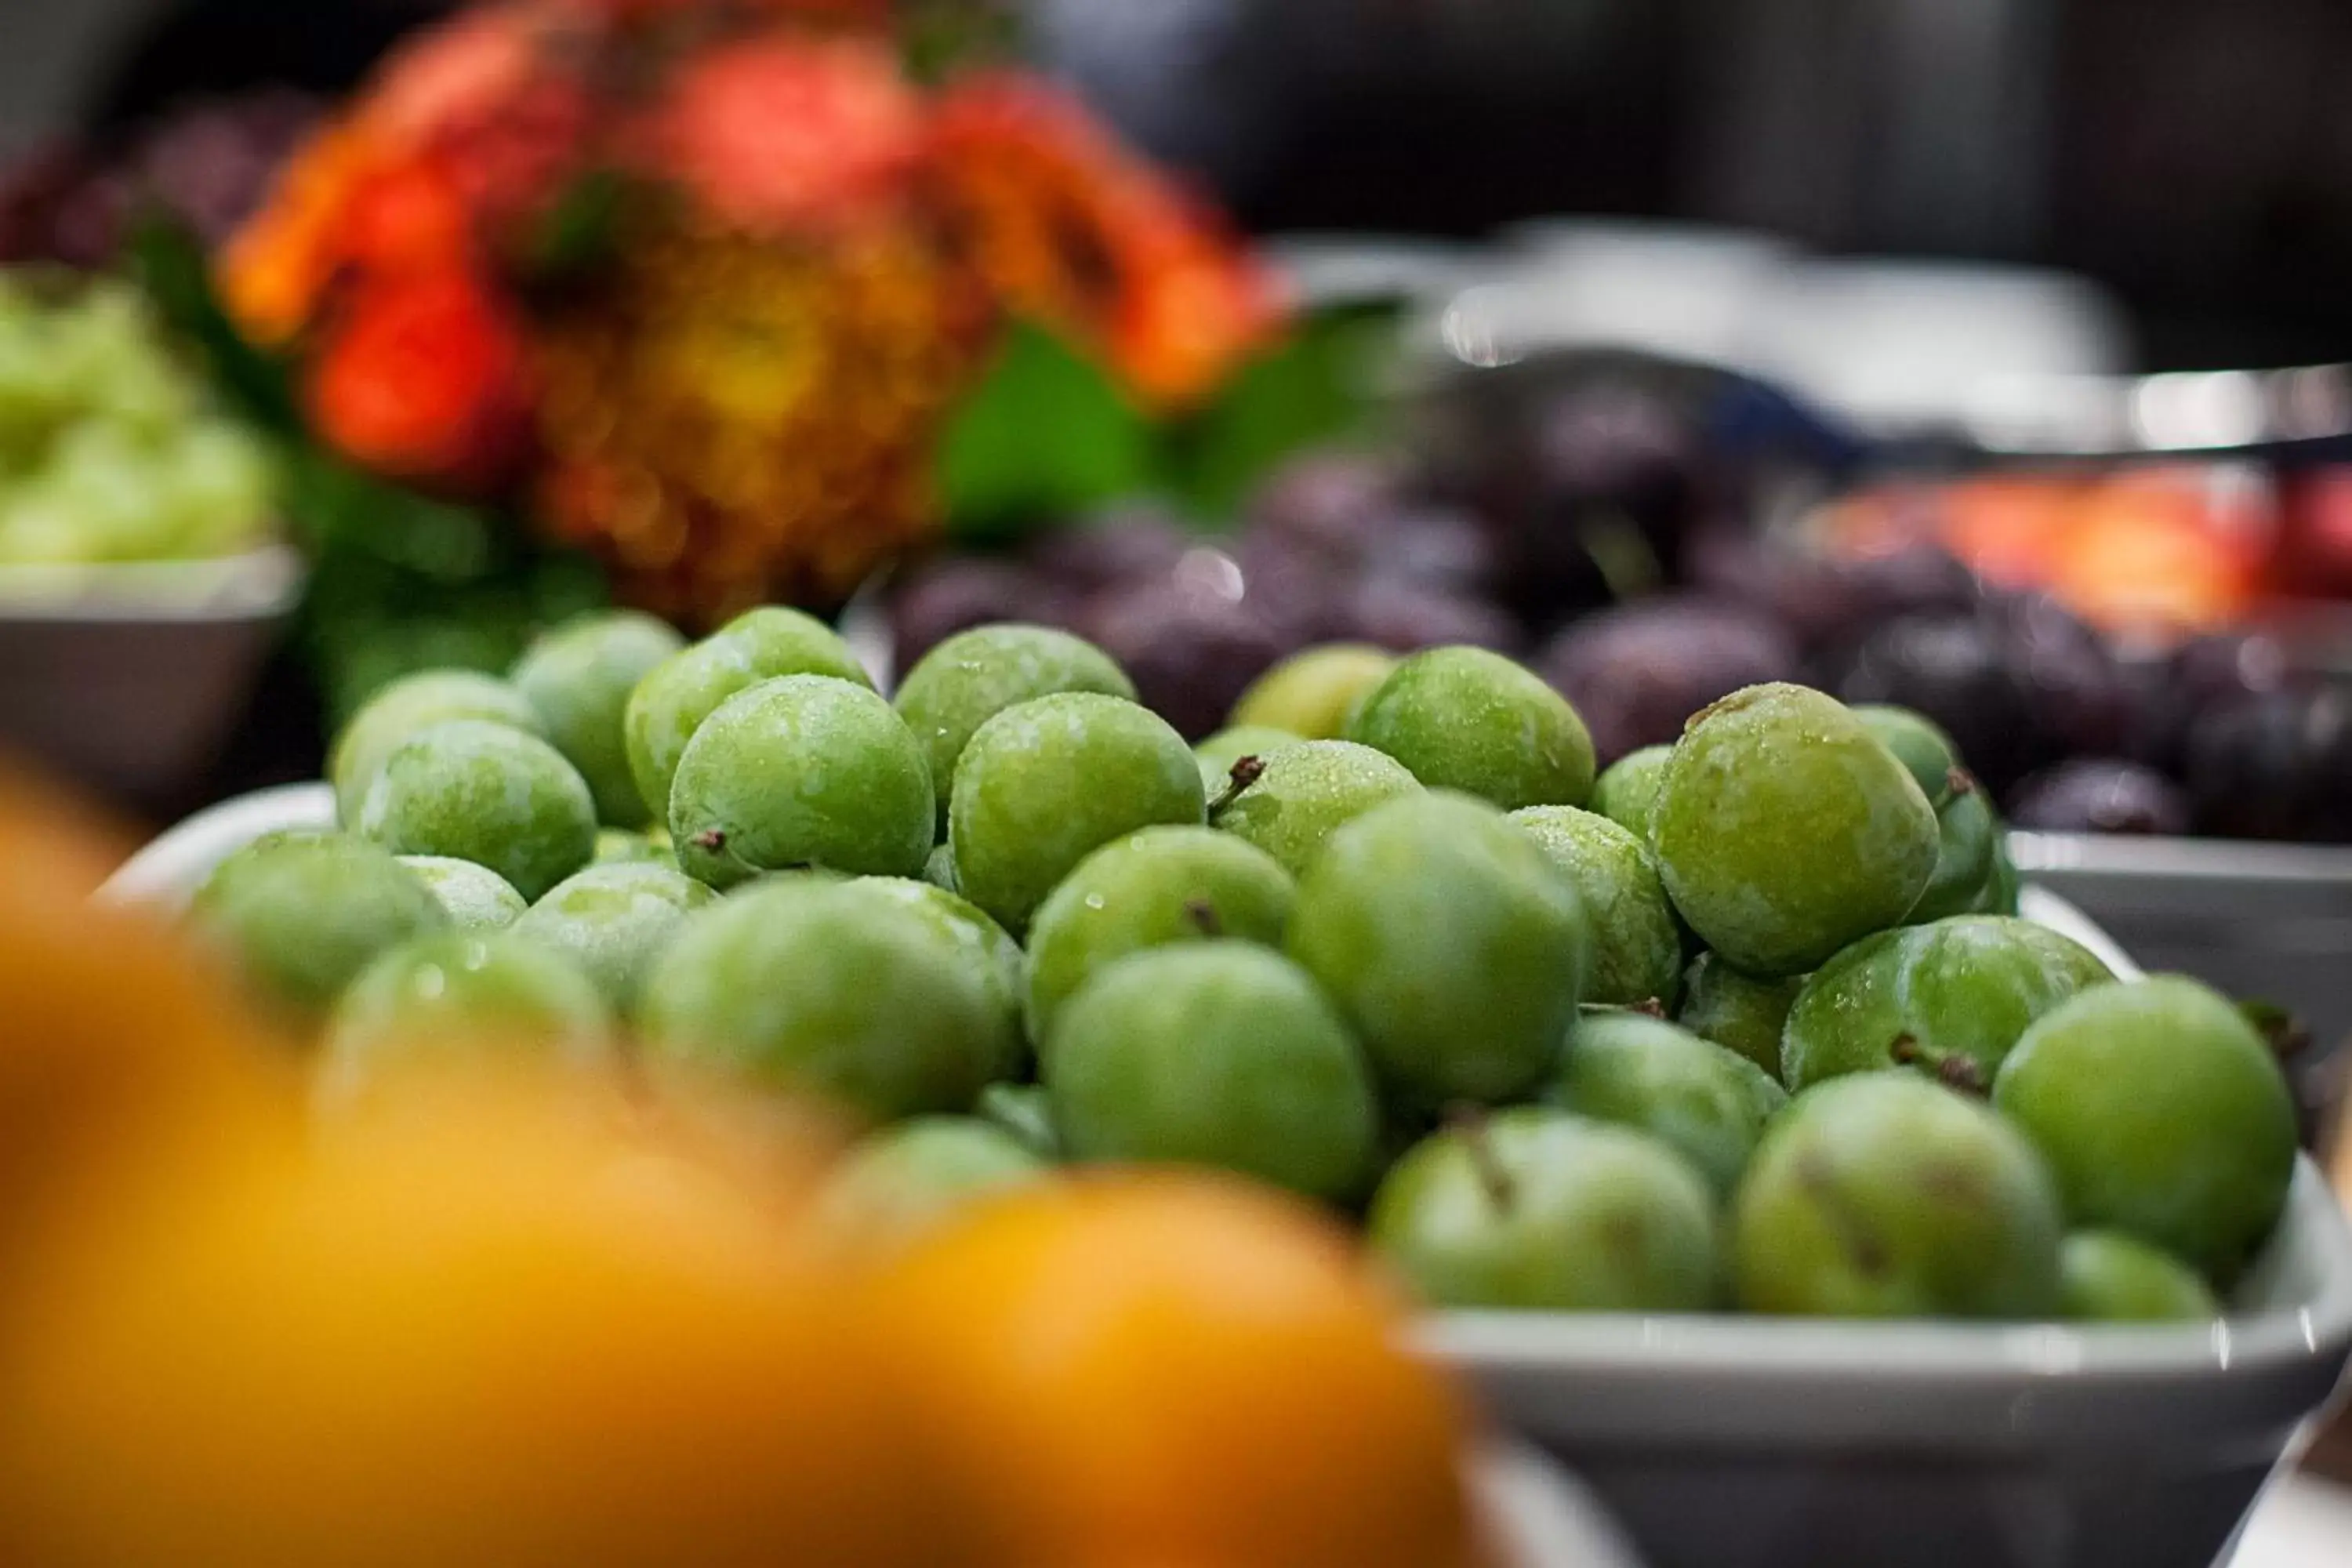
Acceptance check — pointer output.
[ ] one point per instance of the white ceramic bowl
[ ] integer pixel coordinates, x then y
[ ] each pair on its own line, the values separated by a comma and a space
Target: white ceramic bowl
1733, 1442
130, 678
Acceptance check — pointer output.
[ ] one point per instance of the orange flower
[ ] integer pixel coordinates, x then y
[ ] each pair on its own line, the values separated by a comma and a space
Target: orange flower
784, 133
730, 420
404, 216
1068, 227
275, 272
497, 94
422, 378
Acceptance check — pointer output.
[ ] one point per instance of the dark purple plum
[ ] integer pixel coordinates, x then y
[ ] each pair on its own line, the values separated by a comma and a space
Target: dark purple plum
1636, 673
1952, 668
1321, 499
1116, 547
1404, 619
2274, 765
1592, 492
1294, 588
956, 592
1826, 603
2167, 694
2075, 692
2100, 794
1190, 646
1430, 547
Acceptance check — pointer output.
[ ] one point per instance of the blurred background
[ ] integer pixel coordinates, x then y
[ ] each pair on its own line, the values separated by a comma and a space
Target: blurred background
2186, 152
1984, 358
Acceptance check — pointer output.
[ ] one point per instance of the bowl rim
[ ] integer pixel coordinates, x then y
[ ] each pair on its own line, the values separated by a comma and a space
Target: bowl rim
257, 584
1873, 1354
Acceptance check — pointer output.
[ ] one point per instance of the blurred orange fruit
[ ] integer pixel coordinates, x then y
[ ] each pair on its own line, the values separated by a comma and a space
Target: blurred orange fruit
1147, 1369
55, 839
121, 1055
495, 1336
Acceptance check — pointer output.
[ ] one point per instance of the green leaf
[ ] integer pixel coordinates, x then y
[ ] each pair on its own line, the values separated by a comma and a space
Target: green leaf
167, 259
579, 231
1318, 384
336, 504
940, 37
1045, 434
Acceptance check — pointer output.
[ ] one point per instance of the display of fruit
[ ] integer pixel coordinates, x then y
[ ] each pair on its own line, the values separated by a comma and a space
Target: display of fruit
1600, 528
493, 1313
110, 450
1549, 1057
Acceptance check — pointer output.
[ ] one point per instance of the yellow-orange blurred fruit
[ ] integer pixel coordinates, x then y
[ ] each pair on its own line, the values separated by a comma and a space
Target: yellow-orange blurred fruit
496, 1338
121, 1055
55, 839
1163, 1370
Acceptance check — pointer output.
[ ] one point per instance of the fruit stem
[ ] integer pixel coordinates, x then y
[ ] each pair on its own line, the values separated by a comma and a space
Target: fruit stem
1960, 781
1958, 1073
1203, 916
1246, 771
1472, 1124
713, 841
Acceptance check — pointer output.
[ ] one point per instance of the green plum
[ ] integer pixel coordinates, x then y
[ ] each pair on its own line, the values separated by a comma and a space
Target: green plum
676, 695
897, 1182
1626, 793
1219, 752
1708, 1104
578, 678
2164, 1115
988, 955
938, 869
471, 790
1045, 784
1216, 1053
1921, 744
2106, 1276
403, 707
809, 987
612, 920
440, 998
1967, 832
1536, 1209
1784, 831
1313, 693
1887, 1195
973, 675
1027, 1111
1454, 945
1738, 1011
1637, 949
475, 897
2001, 887
301, 914
620, 847
1950, 999
1298, 795
804, 770
1163, 885
1466, 719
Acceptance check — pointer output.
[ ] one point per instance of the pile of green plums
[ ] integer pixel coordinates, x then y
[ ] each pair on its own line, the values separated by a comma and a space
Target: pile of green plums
1745, 1022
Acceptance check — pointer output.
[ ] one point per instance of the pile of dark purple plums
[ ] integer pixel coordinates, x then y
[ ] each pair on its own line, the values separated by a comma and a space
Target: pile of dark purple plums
1604, 543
